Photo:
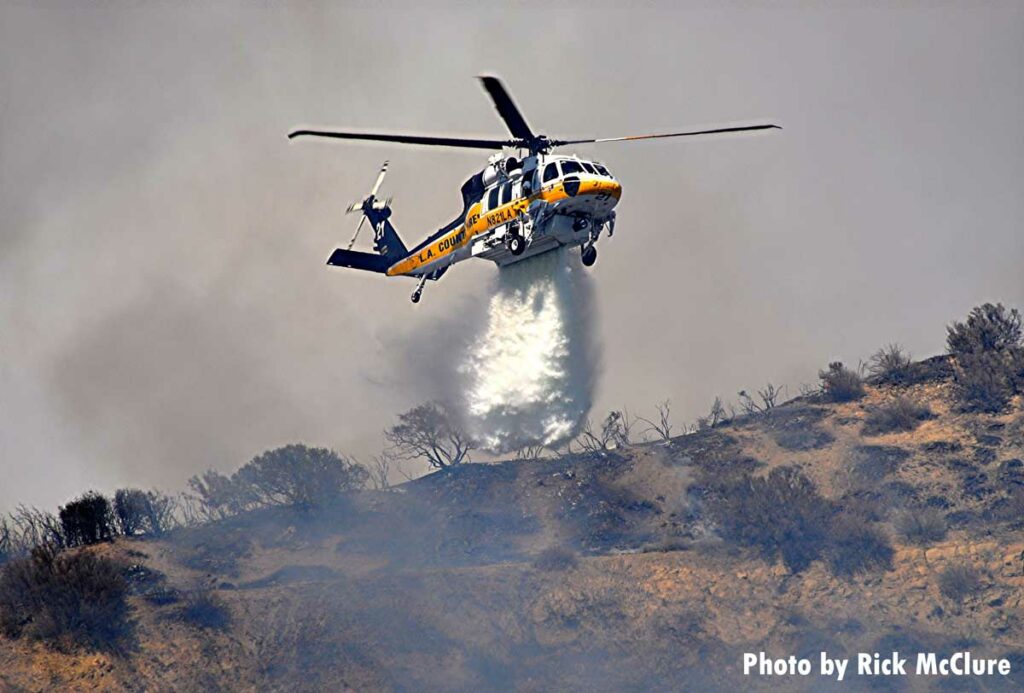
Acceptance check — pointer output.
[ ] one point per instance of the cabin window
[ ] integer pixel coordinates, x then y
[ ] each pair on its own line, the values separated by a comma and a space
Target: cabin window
602, 170
570, 167
506, 193
492, 199
550, 171
587, 167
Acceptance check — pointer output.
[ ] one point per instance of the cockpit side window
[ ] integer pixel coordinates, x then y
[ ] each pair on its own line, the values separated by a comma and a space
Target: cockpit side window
550, 171
492, 199
587, 167
506, 193
570, 167
602, 170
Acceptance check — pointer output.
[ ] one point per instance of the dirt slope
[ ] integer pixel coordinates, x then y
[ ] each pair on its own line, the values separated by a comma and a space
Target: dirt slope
432, 586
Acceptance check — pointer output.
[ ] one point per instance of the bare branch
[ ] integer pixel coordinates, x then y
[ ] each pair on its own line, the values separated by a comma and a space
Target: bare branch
663, 428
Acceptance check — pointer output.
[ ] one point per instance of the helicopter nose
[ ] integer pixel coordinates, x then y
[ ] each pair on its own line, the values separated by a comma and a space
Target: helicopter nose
612, 187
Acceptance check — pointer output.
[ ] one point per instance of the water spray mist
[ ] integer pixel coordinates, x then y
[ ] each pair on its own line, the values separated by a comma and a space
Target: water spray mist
530, 374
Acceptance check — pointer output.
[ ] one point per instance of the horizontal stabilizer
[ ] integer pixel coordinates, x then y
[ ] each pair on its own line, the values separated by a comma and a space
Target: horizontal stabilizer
370, 262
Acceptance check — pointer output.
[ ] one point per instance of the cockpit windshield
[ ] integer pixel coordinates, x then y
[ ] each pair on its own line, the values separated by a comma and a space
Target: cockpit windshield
570, 166
602, 170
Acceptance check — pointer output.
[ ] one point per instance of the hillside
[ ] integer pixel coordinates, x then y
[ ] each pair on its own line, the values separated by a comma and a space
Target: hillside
443, 583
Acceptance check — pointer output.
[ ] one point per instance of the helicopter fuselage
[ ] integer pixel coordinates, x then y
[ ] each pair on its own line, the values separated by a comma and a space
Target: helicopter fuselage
551, 201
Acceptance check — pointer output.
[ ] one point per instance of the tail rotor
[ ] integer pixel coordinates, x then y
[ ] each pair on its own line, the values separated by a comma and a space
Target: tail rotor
371, 200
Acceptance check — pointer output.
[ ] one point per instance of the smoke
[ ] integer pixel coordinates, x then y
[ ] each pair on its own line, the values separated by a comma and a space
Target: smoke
529, 378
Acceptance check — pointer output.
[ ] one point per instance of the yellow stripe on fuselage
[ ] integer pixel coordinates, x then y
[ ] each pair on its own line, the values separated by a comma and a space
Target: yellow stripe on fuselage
477, 223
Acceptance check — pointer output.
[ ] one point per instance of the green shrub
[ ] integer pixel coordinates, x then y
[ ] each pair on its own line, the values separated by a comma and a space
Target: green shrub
959, 581
856, 546
899, 414
65, 599
985, 381
87, 520
300, 476
988, 328
989, 355
921, 526
840, 384
781, 514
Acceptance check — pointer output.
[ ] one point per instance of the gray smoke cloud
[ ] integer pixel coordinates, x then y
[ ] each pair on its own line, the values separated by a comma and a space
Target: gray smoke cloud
163, 302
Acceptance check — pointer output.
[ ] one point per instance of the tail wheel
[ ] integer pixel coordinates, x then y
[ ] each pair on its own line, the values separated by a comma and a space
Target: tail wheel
589, 255
516, 244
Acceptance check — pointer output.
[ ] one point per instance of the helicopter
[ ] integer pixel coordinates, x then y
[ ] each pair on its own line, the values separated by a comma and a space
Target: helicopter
519, 206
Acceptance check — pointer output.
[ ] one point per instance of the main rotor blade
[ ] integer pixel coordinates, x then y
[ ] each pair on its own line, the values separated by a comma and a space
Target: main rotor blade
380, 179
559, 143
507, 108
410, 139
356, 235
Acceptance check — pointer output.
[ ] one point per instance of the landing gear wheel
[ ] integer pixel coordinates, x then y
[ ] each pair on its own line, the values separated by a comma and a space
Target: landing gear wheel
589, 256
419, 290
516, 244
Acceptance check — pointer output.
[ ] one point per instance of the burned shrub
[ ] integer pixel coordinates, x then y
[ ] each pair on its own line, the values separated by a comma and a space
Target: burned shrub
855, 546
870, 463
960, 581
841, 384
989, 357
7, 548
898, 414
217, 497
201, 607
555, 559
781, 514
430, 433
143, 512
614, 432
667, 544
27, 527
921, 526
798, 438
797, 427
87, 520
299, 476
890, 364
150, 584
214, 549
65, 599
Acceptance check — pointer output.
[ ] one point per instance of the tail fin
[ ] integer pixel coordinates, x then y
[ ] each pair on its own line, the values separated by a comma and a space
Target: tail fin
357, 260
385, 239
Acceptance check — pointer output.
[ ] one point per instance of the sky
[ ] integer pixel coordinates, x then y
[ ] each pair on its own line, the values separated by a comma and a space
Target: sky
164, 303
